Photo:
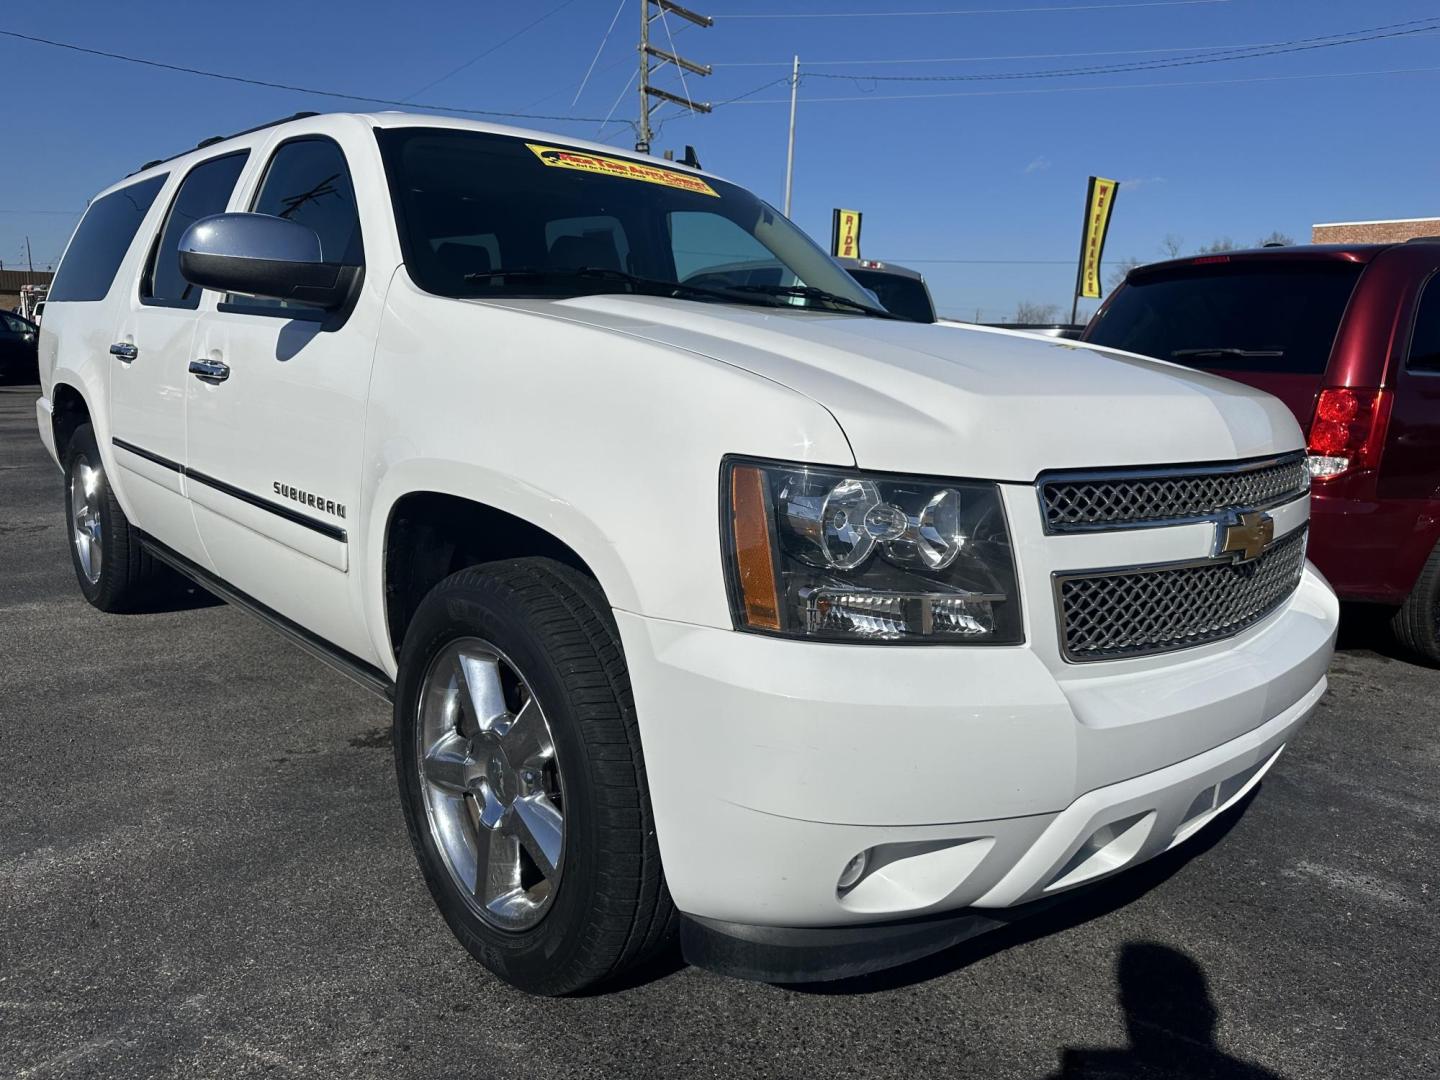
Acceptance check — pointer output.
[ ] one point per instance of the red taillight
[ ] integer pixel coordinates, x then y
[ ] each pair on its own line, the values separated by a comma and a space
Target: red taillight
1206, 260
1348, 430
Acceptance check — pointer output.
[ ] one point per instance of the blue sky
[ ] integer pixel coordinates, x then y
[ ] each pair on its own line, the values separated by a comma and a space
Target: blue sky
992, 181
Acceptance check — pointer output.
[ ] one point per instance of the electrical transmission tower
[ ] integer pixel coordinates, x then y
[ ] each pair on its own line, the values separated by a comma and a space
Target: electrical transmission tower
653, 59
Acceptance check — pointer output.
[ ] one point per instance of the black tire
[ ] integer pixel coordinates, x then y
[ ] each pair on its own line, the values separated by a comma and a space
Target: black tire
611, 909
127, 576
1417, 623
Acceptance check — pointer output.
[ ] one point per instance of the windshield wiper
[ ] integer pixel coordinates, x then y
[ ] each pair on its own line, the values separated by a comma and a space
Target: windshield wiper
1219, 350
602, 273
810, 292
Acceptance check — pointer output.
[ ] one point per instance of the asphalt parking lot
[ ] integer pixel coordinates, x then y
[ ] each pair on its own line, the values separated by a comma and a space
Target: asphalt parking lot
204, 872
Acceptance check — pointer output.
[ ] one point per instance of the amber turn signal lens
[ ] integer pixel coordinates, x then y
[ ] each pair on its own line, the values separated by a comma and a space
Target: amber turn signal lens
759, 594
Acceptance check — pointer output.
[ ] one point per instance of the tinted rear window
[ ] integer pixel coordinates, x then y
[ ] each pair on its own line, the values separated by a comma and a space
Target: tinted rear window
101, 240
1279, 317
902, 295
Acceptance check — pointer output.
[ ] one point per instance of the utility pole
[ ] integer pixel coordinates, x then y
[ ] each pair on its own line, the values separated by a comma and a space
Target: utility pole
790, 152
652, 59
28, 257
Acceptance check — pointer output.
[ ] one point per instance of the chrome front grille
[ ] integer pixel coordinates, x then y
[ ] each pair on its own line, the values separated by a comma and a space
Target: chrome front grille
1078, 502
1107, 614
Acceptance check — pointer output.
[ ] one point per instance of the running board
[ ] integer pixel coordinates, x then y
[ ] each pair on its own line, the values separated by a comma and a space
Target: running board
367, 675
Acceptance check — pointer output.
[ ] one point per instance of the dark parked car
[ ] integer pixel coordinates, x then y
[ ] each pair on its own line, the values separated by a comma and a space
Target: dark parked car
898, 288
1349, 337
17, 349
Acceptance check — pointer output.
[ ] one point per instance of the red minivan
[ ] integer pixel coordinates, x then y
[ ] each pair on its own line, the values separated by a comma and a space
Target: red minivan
1347, 335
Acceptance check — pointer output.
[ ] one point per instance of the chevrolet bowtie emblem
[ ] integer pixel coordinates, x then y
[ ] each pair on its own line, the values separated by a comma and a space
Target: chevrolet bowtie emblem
1245, 536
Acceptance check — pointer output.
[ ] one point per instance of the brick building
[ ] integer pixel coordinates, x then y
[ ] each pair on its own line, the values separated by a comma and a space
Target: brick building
11, 280
1395, 231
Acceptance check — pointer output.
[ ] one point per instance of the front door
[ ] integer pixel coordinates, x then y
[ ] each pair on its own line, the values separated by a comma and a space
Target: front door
276, 417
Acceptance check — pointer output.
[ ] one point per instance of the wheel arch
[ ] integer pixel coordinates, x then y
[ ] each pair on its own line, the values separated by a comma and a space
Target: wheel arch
69, 411
429, 533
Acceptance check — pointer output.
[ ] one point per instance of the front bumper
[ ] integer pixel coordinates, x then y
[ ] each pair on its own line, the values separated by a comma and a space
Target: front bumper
978, 778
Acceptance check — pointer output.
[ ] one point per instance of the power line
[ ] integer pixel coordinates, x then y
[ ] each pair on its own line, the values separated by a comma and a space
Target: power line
596, 59
498, 45
334, 94
1329, 41
1003, 56
970, 11
749, 93
1082, 89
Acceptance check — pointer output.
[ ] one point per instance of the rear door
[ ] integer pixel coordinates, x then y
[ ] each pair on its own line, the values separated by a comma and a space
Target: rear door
1411, 468
150, 357
1268, 322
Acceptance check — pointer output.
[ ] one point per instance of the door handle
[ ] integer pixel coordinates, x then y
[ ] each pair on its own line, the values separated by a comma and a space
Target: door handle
124, 351
213, 372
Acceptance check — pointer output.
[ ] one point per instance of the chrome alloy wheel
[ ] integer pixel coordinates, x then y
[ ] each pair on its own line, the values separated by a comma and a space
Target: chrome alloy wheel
491, 783
85, 529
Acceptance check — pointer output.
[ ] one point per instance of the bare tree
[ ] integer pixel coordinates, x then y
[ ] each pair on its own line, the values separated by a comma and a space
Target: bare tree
1117, 276
1172, 246
1277, 239
1027, 311
1220, 243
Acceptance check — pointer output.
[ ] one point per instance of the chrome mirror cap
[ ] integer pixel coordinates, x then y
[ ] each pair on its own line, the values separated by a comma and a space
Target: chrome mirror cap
265, 256
252, 236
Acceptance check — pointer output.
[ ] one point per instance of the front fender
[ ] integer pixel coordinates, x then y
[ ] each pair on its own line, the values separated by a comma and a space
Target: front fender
609, 442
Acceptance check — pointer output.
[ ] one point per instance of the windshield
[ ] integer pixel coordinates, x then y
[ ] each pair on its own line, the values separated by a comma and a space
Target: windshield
491, 216
903, 295
1245, 316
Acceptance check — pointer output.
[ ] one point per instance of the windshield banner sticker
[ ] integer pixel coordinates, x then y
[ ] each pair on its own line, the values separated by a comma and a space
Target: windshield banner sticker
630, 170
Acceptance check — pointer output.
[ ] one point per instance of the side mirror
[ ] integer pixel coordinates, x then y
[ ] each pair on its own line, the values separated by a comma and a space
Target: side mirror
260, 255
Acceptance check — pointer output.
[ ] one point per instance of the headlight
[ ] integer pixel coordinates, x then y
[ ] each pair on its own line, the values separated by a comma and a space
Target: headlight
839, 555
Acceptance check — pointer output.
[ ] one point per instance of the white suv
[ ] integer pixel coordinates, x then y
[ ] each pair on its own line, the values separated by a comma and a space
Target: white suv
748, 610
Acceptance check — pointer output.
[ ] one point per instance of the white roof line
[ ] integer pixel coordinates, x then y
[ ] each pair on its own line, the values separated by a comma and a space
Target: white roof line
1380, 221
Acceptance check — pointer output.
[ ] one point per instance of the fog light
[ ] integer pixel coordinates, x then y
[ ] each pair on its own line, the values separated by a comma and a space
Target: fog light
853, 872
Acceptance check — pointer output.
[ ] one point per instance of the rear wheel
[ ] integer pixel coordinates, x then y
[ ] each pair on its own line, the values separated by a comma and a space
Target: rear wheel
1417, 623
519, 764
114, 573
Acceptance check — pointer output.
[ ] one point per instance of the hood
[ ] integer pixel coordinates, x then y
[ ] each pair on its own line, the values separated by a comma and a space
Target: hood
959, 401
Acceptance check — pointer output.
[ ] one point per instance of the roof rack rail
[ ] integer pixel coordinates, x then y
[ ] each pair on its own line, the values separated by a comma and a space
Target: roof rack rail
213, 139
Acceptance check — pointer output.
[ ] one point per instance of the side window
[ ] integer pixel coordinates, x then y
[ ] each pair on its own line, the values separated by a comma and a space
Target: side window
204, 191
101, 241
308, 182
13, 325
713, 250
1425, 341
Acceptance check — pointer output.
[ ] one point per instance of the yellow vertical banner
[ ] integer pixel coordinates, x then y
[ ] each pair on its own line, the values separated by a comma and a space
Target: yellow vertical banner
1099, 202
845, 234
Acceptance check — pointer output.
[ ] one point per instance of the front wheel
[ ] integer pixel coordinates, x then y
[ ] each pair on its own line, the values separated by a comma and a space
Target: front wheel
520, 771
1417, 623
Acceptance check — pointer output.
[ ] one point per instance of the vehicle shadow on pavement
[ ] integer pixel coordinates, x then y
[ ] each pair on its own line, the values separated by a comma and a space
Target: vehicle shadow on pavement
1171, 1020
172, 593
1366, 628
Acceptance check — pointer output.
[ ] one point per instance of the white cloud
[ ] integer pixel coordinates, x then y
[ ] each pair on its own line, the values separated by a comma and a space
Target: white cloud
1141, 181
1040, 164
